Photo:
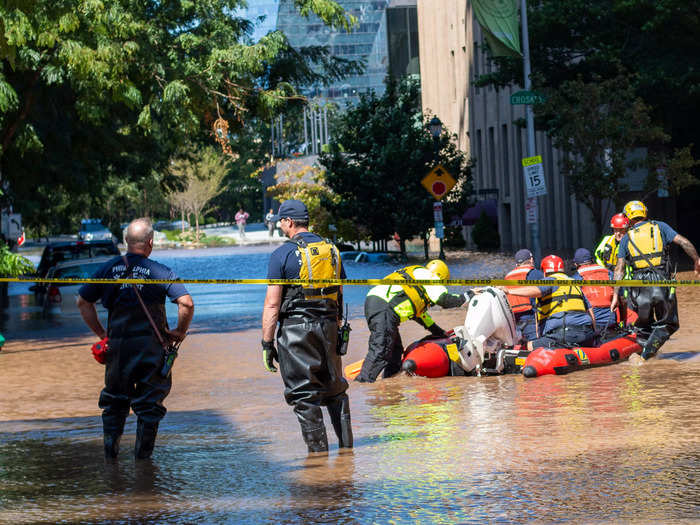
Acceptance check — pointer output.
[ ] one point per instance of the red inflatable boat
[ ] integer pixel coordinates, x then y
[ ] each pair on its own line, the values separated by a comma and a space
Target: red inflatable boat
438, 358
543, 361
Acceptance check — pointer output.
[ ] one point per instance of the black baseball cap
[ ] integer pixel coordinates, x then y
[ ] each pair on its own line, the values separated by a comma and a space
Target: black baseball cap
582, 255
522, 255
293, 209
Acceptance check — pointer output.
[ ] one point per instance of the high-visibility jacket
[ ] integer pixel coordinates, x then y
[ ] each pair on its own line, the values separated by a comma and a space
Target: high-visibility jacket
567, 298
606, 252
598, 296
648, 244
519, 305
416, 294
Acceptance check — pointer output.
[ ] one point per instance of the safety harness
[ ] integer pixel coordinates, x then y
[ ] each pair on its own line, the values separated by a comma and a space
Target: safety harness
646, 247
562, 299
319, 260
416, 294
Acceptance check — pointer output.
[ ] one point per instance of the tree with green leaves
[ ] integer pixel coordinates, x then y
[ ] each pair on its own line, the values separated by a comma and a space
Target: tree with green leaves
380, 150
90, 89
201, 176
597, 125
652, 43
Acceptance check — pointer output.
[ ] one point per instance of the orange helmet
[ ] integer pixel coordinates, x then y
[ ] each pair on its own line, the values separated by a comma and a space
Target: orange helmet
551, 264
619, 220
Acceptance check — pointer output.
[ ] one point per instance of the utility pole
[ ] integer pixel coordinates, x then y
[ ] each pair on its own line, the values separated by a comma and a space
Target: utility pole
530, 119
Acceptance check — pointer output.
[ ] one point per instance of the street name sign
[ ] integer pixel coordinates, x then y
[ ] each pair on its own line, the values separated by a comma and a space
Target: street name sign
527, 97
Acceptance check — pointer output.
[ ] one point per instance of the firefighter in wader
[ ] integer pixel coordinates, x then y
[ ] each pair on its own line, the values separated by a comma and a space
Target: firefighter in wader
603, 299
307, 337
135, 356
606, 251
387, 306
524, 307
645, 250
564, 313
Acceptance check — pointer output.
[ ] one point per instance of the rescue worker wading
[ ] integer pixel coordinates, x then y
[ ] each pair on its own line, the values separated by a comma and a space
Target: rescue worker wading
307, 339
645, 249
603, 299
564, 313
134, 355
524, 307
387, 306
606, 251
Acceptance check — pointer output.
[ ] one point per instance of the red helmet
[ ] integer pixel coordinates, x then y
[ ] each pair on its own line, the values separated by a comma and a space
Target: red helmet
551, 264
619, 220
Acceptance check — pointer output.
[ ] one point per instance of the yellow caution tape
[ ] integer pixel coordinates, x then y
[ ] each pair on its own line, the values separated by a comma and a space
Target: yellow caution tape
364, 282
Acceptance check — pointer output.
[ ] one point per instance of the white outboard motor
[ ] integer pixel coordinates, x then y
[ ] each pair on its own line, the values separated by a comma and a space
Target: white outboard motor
489, 326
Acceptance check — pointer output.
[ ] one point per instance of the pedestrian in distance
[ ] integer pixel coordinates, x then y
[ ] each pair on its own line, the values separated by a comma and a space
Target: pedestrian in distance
524, 308
387, 306
306, 320
645, 250
135, 355
270, 223
241, 219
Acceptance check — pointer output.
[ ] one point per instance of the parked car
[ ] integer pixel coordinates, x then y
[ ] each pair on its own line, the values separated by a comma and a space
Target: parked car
61, 298
94, 230
60, 252
162, 225
178, 225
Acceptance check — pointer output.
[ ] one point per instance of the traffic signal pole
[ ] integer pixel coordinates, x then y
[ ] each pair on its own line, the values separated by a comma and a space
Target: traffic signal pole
530, 119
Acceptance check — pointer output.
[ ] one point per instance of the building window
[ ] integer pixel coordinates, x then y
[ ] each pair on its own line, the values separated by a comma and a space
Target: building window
479, 158
505, 168
492, 154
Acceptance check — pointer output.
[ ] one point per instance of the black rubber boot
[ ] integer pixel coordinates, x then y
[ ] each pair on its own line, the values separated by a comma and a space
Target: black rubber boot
657, 338
111, 442
316, 439
339, 411
145, 439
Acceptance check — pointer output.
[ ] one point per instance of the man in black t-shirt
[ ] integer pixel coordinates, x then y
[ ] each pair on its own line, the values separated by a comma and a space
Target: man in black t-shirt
308, 329
135, 355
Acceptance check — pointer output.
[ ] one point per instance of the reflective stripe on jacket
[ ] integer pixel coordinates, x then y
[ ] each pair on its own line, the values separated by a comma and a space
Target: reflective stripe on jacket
606, 252
561, 299
601, 296
519, 305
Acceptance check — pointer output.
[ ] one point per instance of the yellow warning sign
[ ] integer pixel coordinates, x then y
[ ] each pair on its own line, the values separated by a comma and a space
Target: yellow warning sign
438, 182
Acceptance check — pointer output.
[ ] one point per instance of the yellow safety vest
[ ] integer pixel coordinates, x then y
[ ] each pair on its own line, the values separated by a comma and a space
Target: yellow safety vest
648, 244
606, 252
319, 260
416, 293
562, 299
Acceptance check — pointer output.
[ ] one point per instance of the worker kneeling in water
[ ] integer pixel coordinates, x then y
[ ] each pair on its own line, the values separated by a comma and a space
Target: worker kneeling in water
564, 313
387, 306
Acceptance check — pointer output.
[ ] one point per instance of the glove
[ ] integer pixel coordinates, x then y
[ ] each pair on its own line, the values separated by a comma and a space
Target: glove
437, 331
100, 349
269, 355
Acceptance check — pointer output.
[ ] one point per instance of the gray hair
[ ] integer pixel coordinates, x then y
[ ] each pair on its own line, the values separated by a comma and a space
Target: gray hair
139, 231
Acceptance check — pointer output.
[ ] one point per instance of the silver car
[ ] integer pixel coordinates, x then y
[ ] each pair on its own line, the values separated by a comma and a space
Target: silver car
61, 299
94, 230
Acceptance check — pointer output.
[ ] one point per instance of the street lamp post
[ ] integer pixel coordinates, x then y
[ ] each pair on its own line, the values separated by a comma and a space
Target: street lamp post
436, 130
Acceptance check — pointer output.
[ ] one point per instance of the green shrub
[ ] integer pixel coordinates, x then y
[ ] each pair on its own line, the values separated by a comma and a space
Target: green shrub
453, 237
485, 234
13, 265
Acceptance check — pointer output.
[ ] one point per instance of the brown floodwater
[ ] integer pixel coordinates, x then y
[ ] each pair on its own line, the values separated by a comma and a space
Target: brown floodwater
613, 444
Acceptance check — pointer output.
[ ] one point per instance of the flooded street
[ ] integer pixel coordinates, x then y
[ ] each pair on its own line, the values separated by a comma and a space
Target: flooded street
613, 444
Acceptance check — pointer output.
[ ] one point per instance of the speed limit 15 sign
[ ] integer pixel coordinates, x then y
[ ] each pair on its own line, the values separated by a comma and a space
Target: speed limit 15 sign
534, 176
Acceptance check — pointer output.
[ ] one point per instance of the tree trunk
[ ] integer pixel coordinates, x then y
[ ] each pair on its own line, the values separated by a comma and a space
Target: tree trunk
196, 221
182, 220
402, 247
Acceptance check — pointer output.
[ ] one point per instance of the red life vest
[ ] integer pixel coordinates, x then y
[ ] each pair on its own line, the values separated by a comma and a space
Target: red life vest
519, 305
598, 296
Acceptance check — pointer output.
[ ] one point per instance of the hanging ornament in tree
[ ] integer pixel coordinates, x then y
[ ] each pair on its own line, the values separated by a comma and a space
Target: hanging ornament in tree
220, 128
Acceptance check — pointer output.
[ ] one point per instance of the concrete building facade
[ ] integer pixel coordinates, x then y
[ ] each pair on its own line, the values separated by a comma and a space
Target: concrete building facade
451, 57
